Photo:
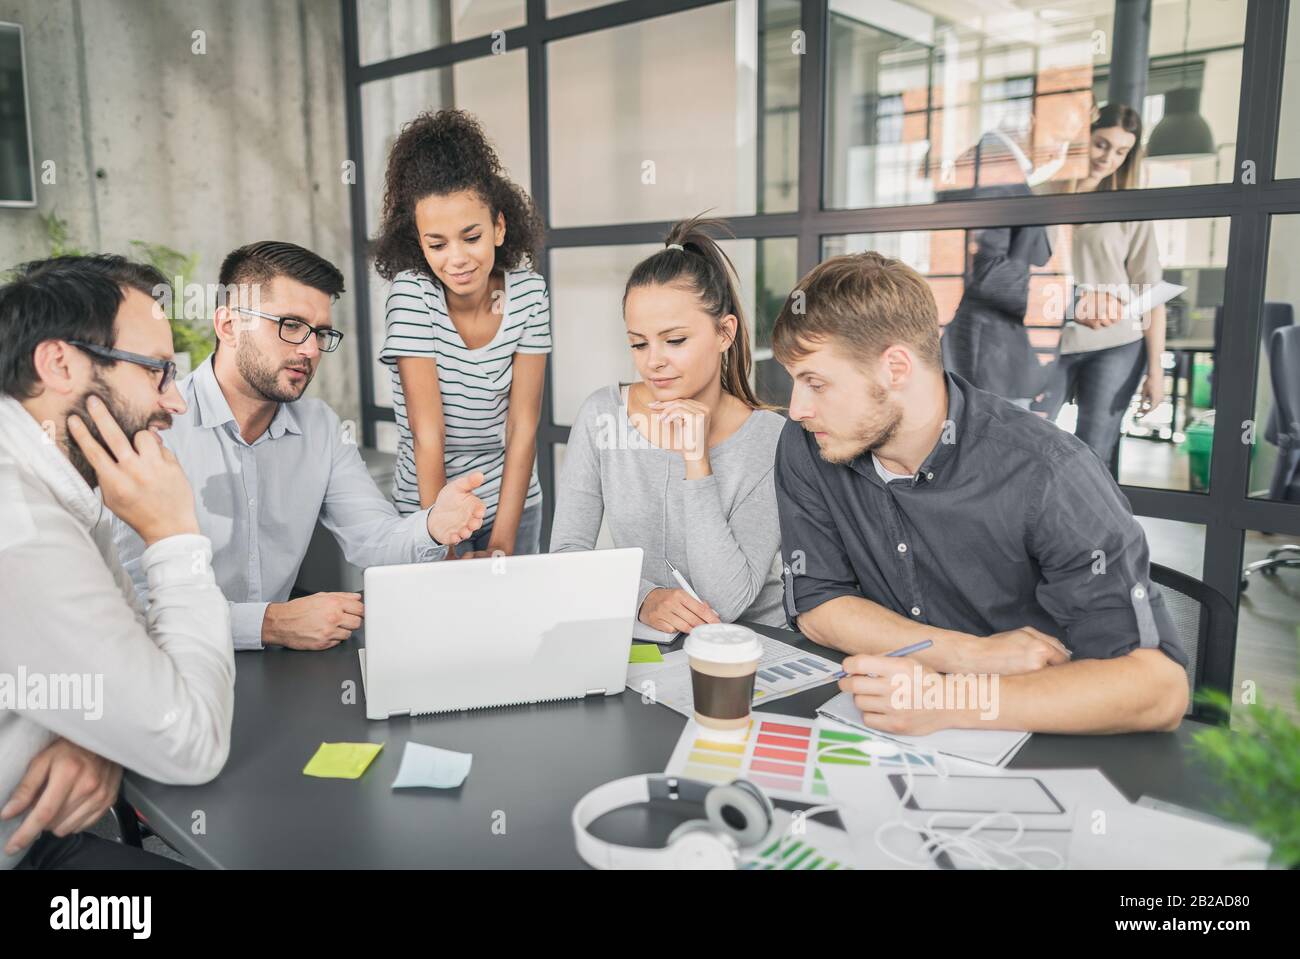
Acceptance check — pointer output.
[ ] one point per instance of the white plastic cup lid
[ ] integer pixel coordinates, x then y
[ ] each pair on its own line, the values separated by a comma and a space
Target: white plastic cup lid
723, 643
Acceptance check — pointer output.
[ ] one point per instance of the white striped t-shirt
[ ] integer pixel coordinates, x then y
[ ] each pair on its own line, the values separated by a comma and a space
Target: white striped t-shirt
475, 384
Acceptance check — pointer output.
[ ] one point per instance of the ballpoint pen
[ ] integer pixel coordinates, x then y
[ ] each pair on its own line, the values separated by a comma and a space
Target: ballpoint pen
681, 581
905, 651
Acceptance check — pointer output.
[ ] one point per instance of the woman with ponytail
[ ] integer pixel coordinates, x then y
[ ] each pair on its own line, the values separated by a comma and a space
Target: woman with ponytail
680, 463
1103, 355
468, 327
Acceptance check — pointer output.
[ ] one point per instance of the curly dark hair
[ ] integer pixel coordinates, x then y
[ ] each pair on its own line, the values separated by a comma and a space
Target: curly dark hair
441, 153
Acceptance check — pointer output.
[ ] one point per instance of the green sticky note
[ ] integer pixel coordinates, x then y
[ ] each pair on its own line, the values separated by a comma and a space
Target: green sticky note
341, 760
645, 653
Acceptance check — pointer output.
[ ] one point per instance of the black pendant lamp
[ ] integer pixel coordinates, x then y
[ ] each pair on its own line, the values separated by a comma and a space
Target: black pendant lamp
1182, 134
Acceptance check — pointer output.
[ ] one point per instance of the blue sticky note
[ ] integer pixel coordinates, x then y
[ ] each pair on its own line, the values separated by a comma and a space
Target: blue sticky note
431, 767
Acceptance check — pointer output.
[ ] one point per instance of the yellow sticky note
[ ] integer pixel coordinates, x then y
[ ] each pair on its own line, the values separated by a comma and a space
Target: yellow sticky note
645, 653
341, 760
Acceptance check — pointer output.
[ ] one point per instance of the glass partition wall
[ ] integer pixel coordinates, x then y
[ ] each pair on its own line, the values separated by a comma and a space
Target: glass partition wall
933, 131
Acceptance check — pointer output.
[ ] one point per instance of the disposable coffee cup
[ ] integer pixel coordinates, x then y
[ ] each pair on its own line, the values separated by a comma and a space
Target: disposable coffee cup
723, 658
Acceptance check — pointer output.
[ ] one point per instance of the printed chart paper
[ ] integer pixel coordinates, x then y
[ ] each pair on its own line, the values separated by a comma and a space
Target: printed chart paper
783, 671
781, 754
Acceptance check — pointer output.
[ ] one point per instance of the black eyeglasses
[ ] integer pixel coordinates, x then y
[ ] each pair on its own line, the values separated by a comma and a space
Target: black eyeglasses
295, 331
166, 367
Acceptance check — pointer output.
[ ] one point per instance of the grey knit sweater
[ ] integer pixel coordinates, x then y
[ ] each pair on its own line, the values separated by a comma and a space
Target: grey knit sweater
721, 532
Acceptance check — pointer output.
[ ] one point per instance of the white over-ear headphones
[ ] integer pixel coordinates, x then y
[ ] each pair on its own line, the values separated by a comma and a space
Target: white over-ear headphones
738, 815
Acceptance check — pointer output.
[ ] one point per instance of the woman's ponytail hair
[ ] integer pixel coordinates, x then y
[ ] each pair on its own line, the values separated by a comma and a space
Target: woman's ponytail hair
692, 259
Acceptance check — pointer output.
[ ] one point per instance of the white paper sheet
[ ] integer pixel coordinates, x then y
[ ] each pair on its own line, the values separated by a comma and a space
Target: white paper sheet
1155, 295
1105, 830
992, 747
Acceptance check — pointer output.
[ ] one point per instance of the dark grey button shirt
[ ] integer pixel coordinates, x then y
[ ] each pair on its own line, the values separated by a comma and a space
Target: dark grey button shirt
1009, 522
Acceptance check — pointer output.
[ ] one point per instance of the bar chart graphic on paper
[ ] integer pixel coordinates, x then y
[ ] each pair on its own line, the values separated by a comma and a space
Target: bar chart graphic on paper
785, 670
791, 852
781, 755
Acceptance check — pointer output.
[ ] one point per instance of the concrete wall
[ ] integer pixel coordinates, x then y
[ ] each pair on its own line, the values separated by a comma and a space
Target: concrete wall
200, 151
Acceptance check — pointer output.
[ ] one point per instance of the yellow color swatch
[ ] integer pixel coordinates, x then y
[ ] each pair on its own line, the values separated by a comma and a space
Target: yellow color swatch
712, 760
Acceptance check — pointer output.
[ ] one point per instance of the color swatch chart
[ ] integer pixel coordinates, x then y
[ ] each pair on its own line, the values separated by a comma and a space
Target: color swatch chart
781, 754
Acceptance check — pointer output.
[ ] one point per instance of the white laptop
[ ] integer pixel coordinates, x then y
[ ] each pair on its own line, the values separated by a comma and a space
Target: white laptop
469, 634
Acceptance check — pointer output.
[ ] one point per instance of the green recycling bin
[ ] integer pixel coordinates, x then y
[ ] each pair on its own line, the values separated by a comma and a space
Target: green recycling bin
1202, 370
1197, 444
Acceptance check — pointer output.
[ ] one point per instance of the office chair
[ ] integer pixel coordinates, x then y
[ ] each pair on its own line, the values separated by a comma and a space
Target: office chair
1206, 625
129, 826
1283, 431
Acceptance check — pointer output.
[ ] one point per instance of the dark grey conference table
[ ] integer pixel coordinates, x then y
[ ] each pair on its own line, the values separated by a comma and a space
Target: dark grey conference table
531, 765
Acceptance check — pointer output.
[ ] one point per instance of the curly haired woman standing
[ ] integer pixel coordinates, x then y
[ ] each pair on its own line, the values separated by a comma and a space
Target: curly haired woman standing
468, 326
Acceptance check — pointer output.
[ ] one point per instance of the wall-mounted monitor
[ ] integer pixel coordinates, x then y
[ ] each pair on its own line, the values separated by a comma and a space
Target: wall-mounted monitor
17, 173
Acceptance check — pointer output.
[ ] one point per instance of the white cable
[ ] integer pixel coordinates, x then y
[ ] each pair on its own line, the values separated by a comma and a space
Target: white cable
967, 845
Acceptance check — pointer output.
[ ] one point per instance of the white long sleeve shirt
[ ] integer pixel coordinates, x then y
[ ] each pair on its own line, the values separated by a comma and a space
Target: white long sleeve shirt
79, 656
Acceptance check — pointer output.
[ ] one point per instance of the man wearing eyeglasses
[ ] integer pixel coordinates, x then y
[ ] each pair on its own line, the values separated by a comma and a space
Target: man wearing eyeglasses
267, 464
88, 684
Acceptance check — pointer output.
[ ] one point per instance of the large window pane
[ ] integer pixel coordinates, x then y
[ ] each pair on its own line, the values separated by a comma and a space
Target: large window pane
1267, 639
1267, 613
931, 97
493, 88
1275, 453
1180, 546
675, 115
394, 28
591, 347
1288, 130
559, 8
1027, 349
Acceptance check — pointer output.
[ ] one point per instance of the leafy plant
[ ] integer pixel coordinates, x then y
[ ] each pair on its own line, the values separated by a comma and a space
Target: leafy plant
56, 240
1259, 764
56, 231
177, 267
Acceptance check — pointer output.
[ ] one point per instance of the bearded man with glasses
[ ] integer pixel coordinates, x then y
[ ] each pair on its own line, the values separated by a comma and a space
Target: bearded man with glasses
86, 386
267, 464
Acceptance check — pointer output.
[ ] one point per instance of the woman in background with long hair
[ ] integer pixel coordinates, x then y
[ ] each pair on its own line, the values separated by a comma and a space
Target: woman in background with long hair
1104, 355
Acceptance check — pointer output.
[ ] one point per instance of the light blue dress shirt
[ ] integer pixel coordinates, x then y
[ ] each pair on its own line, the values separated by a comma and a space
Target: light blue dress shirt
259, 502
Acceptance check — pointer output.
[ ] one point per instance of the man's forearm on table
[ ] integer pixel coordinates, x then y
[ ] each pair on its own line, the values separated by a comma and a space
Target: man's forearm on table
1144, 691
855, 625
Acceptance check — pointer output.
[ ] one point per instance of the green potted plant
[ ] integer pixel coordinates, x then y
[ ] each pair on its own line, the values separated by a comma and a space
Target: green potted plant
56, 233
191, 340
1258, 763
